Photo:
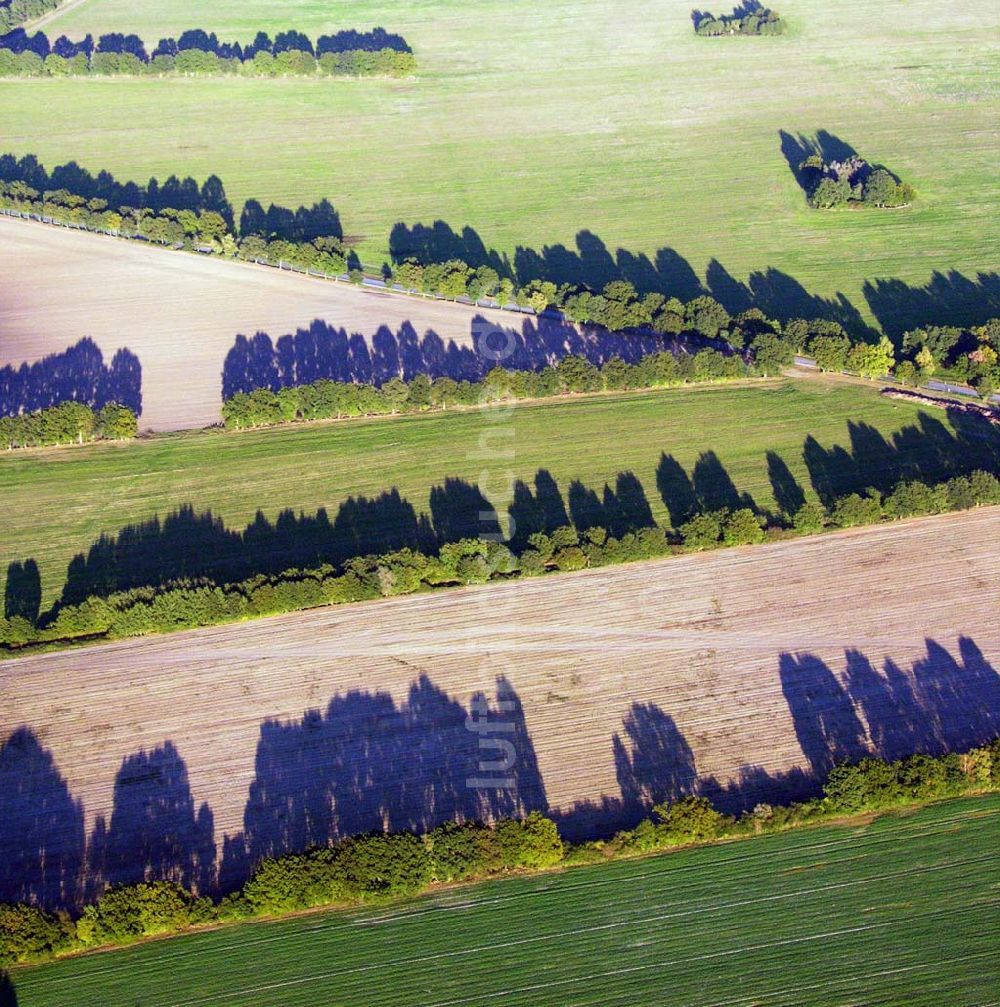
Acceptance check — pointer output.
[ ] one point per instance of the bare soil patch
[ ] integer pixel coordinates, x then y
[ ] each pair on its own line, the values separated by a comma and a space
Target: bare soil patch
720, 656
180, 313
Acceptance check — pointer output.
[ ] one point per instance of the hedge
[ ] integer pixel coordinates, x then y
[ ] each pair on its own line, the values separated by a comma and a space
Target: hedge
381, 867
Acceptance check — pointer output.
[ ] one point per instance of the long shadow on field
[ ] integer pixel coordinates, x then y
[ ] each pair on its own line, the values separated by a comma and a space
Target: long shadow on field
946, 299
174, 193
155, 832
941, 704
8, 993
79, 374
41, 827
927, 450
22, 591
368, 765
323, 351
277, 222
187, 545
593, 264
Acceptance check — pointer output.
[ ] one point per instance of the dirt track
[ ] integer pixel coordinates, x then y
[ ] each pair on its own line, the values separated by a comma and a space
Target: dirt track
700, 637
179, 313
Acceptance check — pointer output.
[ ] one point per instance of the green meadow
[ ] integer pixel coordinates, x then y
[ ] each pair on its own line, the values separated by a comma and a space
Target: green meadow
900, 912
532, 122
58, 501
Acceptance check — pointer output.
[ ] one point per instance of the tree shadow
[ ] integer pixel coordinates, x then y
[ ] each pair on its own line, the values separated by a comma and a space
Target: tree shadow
368, 765
41, 827
324, 352
942, 704
304, 224
656, 764
23, 591
78, 374
8, 993
926, 450
155, 833
946, 299
788, 494
797, 148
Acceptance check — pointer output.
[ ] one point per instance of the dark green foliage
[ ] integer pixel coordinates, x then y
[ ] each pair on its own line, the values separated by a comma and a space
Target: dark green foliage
383, 865
67, 423
30, 934
690, 820
809, 518
195, 54
532, 842
743, 527
851, 182
854, 509
704, 530
131, 912
772, 354
758, 21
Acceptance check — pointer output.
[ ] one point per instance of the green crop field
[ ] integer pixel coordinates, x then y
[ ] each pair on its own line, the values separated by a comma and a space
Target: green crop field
903, 911
532, 122
58, 501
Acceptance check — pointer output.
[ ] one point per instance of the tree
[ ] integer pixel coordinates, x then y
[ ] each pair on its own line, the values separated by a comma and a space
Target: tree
771, 354
831, 193
690, 820
396, 393
925, 361
742, 527
872, 361
707, 316
880, 188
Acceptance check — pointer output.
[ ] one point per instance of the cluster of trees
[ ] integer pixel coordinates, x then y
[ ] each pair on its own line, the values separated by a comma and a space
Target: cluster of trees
15, 12
326, 399
198, 53
751, 19
193, 603
852, 182
67, 423
354, 871
971, 355
380, 867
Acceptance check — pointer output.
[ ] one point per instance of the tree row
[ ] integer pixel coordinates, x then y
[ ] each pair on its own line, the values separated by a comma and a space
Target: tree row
201, 602
382, 867
67, 423
197, 52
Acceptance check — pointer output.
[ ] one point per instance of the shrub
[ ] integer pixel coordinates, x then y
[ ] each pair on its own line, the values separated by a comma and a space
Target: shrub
532, 842
854, 509
703, 531
383, 865
742, 527
131, 912
690, 820
809, 518
29, 934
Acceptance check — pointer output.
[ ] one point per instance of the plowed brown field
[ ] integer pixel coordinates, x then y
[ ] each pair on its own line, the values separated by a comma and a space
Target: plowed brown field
701, 637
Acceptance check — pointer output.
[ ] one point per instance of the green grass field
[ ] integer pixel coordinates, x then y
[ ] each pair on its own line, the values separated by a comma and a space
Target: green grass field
902, 911
532, 122
58, 501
